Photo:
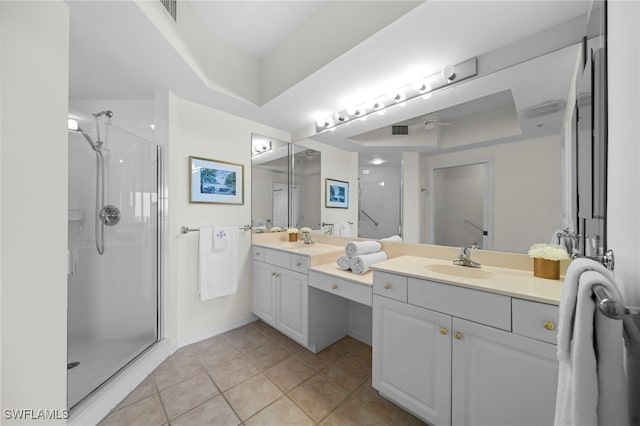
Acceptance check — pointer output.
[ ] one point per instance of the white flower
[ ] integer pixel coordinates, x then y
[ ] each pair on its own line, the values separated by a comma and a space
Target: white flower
276, 229
548, 251
292, 231
306, 229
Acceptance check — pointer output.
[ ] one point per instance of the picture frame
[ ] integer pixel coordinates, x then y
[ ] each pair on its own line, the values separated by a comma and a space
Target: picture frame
215, 181
336, 194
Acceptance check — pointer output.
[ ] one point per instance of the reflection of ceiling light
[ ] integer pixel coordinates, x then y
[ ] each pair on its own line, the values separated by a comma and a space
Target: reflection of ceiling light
420, 89
377, 161
72, 124
260, 148
381, 183
366, 171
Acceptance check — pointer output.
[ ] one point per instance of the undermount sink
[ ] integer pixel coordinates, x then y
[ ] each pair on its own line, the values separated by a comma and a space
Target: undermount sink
459, 271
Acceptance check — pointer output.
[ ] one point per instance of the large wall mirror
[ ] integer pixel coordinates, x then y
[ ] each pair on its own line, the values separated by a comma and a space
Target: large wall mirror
285, 183
497, 154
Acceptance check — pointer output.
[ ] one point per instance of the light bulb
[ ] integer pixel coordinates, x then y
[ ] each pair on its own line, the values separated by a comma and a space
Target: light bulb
72, 125
352, 110
448, 73
399, 97
321, 122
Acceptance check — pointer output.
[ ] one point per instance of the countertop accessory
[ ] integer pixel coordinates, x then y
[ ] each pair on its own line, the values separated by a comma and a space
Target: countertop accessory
546, 260
293, 234
464, 259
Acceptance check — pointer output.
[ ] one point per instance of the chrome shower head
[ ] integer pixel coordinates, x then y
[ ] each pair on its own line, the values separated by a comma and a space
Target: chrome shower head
108, 113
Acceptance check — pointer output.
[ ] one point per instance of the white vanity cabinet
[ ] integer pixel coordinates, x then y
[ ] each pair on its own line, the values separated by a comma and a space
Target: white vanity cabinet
449, 355
280, 291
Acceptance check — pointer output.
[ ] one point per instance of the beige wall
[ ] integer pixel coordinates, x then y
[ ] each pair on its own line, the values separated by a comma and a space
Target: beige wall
34, 92
526, 190
205, 132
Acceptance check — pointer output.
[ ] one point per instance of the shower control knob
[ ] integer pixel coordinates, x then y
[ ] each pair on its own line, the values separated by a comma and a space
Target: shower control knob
109, 215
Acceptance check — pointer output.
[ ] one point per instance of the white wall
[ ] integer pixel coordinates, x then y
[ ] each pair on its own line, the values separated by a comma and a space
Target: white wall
623, 204
34, 73
204, 132
411, 196
526, 191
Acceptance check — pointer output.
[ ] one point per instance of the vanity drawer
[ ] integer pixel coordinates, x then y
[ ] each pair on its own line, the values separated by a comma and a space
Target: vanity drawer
278, 258
473, 305
258, 253
536, 320
349, 290
390, 285
300, 263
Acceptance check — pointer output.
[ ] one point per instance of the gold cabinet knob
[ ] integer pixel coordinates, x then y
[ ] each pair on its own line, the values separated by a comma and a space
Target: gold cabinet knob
257, 253
443, 331
298, 264
549, 325
387, 286
334, 286
457, 335
273, 274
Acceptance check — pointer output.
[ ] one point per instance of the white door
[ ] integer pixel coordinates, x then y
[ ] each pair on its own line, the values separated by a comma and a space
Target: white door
292, 305
500, 378
412, 358
295, 207
280, 204
264, 291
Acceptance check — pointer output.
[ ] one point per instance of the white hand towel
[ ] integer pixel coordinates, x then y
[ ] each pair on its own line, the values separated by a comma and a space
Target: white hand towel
344, 262
591, 381
394, 238
217, 268
343, 229
360, 264
355, 248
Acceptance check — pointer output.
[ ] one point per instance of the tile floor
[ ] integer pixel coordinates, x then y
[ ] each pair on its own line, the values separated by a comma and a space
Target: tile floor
254, 375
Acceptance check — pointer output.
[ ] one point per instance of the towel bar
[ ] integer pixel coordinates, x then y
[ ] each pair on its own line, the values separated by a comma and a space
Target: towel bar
186, 229
613, 308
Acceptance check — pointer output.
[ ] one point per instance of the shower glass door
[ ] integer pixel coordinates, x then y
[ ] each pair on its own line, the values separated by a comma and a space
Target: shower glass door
112, 297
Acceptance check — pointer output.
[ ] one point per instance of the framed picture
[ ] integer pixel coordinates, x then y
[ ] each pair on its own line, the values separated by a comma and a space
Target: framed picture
336, 194
214, 181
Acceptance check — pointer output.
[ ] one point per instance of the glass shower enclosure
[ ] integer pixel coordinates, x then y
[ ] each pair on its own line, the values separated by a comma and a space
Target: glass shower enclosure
113, 253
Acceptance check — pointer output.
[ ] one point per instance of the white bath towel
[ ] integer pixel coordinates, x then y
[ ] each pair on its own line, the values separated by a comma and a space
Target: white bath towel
355, 248
591, 381
360, 264
394, 238
217, 267
344, 262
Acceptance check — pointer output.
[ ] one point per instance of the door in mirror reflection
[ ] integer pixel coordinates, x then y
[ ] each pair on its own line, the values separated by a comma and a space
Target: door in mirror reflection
461, 204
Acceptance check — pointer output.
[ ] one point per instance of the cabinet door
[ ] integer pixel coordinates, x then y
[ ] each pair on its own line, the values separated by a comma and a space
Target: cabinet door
264, 291
412, 358
501, 378
292, 304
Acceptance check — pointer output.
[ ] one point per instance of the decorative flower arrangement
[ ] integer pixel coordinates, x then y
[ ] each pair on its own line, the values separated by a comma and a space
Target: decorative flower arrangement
548, 251
292, 231
305, 230
276, 229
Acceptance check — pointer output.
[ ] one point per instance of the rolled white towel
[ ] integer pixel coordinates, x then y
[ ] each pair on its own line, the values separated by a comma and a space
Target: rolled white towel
344, 262
361, 264
355, 248
397, 238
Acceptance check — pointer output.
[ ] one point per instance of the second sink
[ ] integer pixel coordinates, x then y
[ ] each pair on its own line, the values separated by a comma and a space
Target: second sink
459, 271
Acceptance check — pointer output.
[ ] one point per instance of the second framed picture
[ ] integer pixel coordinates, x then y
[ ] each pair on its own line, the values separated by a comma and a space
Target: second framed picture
336, 194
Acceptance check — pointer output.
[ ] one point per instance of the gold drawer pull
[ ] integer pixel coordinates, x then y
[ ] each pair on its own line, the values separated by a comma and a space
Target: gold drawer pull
457, 335
443, 331
387, 286
257, 253
298, 263
549, 325
334, 286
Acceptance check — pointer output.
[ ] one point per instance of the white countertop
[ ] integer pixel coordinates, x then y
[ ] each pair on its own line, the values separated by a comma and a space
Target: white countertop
334, 270
509, 282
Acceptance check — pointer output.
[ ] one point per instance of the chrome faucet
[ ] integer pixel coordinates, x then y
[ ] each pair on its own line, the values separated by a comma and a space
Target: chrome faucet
464, 258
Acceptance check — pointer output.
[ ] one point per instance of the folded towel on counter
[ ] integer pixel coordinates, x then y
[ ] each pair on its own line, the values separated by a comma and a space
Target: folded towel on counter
355, 248
361, 263
397, 238
344, 262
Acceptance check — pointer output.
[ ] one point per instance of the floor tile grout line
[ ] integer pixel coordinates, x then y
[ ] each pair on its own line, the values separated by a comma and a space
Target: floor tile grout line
225, 398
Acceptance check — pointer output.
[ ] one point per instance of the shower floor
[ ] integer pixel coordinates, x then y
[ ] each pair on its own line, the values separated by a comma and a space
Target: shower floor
99, 360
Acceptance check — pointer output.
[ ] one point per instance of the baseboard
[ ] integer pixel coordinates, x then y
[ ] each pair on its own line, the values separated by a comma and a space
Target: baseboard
360, 337
215, 331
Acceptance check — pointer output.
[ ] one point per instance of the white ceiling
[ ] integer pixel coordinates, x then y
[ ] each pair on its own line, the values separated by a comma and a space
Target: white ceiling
254, 27
117, 53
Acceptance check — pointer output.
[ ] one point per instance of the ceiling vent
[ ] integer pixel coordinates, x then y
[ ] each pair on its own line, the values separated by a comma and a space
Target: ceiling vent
545, 108
172, 7
399, 130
